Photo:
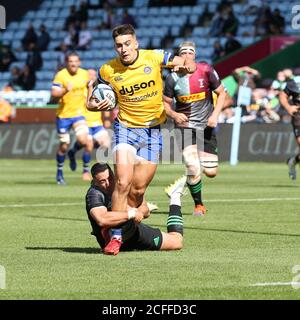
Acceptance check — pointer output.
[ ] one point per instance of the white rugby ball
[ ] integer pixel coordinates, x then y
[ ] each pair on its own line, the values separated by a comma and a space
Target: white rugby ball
103, 91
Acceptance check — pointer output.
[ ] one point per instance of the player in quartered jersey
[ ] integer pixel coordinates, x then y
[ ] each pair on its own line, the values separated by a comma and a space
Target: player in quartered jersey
195, 118
290, 100
136, 77
69, 87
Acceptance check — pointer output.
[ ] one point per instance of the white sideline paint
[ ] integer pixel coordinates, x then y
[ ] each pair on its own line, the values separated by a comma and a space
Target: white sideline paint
246, 200
41, 205
273, 284
81, 203
254, 200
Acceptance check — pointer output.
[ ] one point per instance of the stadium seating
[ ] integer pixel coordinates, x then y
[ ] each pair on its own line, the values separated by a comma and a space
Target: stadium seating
155, 24
31, 98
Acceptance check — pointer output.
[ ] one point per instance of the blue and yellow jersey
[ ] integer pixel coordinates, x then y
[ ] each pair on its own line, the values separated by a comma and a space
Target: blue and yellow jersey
93, 119
138, 88
73, 103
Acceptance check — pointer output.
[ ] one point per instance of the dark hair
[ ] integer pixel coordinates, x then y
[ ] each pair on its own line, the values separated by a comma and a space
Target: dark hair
122, 30
71, 54
100, 167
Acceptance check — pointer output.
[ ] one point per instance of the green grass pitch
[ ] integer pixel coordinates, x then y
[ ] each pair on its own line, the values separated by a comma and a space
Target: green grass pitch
48, 253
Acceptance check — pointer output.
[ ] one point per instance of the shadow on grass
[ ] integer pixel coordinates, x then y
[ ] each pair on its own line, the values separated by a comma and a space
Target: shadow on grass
33, 182
68, 249
70, 182
235, 231
275, 185
56, 218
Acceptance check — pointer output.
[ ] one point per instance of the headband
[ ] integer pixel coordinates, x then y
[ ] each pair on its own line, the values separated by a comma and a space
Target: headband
187, 49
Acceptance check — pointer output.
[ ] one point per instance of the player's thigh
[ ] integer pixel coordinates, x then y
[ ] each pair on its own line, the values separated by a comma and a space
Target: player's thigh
171, 241
144, 172
102, 138
63, 125
81, 131
191, 160
124, 162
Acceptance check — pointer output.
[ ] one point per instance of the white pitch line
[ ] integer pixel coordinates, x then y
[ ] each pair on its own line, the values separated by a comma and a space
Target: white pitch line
254, 200
40, 205
274, 284
80, 203
245, 200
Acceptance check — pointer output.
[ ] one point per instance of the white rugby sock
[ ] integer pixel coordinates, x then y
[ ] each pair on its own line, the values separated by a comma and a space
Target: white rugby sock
176, 199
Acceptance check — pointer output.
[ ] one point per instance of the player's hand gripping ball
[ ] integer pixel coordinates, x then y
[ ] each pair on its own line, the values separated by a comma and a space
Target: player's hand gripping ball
102, 92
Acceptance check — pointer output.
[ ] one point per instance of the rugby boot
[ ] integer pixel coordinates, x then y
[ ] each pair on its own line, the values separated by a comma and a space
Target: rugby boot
199, 210
176, 187
113, 247
60, 178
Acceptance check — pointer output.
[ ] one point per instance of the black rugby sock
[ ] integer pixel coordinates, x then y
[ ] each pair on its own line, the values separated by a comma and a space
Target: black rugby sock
76, 147
175, 220
195, 190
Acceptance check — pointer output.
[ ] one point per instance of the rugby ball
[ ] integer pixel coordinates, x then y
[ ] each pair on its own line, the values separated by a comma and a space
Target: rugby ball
103, 91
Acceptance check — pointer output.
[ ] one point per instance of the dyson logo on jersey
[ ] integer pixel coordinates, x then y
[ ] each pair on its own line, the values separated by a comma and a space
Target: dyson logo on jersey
136, 87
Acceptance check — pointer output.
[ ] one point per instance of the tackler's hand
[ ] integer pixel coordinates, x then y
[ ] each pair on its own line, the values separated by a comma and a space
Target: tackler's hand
293, 109
181, 69
139, 216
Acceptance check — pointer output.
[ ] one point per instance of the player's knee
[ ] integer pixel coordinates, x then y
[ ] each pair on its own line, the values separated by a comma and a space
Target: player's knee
89, 146
193, 170
123, 186
178, 241
193, 173
82, 139
210, 167
63, 147
137, 194
147, 215
210, 172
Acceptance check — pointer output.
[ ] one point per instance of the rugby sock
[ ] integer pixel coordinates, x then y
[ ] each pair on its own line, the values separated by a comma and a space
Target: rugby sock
176, 199
195, 190
116, 234
86, 158
175, 221
76, 147
60, 159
